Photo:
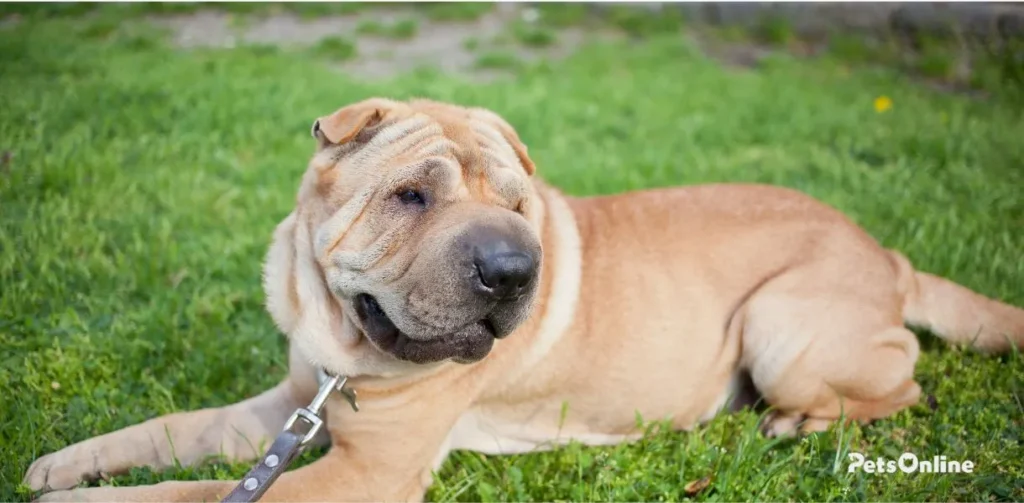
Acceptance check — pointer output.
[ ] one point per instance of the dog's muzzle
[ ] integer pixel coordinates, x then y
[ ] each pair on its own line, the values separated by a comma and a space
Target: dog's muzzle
497, 275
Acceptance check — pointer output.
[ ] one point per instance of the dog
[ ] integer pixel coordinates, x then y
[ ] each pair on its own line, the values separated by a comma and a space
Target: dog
475, 307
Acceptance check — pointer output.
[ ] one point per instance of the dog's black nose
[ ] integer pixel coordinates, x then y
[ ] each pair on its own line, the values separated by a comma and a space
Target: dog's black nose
506, 275
505, 269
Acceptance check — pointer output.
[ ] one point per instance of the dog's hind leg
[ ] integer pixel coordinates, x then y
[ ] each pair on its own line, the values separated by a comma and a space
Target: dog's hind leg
238, 432
820, 346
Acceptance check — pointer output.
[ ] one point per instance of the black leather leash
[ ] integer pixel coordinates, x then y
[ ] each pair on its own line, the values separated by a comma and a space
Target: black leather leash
290, 442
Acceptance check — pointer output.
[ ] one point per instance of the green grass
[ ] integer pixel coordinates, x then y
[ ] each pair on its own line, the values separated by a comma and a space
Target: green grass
335, 48
562, 14
775, 30
139, 186
533, 35
498, 60
471, 44
399, 30
639, 22
857, 49
454, 11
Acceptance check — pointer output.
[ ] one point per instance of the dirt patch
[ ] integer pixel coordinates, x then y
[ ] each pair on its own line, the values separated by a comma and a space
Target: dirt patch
736, 55
10, 21
452, 47
5, 162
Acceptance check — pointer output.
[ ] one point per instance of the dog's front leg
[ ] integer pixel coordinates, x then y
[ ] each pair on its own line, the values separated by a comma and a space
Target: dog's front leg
239, 432
335, 477
385, 452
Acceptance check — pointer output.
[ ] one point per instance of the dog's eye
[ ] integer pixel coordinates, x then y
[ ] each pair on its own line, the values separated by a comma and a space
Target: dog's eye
411, 197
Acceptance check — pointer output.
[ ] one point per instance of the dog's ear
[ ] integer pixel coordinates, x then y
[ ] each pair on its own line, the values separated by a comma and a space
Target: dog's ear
510, 135
279, 277
343, 125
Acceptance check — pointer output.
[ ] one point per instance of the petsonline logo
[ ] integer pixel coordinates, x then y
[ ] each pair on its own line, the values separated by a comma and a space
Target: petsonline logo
908, 462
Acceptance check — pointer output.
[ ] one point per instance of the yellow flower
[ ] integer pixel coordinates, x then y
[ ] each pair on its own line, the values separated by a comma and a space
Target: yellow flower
882, 104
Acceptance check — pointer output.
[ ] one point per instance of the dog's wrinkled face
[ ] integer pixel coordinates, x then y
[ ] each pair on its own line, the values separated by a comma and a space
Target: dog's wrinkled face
421, 223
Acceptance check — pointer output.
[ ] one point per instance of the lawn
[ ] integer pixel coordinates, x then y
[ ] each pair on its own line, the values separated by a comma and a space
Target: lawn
139, 185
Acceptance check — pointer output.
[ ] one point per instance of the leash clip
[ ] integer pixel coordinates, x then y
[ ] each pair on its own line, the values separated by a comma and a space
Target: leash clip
311, 413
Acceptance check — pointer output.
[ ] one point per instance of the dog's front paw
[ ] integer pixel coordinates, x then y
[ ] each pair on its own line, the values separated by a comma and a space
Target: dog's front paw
63, 469
783, 425
779, 424
55, 496
164, 492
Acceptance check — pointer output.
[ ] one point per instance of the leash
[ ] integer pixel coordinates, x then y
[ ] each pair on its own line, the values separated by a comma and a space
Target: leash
291, 441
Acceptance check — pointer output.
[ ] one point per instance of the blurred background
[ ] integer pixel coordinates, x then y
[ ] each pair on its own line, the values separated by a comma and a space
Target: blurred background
968, 46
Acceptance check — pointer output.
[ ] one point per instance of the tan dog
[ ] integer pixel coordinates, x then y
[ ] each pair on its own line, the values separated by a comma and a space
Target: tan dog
421, 236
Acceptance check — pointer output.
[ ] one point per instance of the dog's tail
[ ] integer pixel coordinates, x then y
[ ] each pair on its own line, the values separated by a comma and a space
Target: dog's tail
957, 314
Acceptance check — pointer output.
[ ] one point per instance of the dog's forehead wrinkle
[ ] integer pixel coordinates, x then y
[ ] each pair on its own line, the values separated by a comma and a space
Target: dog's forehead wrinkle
464, 145
496, 179
469, 158
334, 229
400, 128
491, 137
362, 260
438, 147
340, 151
374, 154
495, 147
415, 141
390, 139
421, 171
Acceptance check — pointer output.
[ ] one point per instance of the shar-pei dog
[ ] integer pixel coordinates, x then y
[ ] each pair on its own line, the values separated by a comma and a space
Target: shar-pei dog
475, 307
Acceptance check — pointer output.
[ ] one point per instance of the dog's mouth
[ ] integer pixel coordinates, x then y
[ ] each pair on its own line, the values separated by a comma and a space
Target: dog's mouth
466, 345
